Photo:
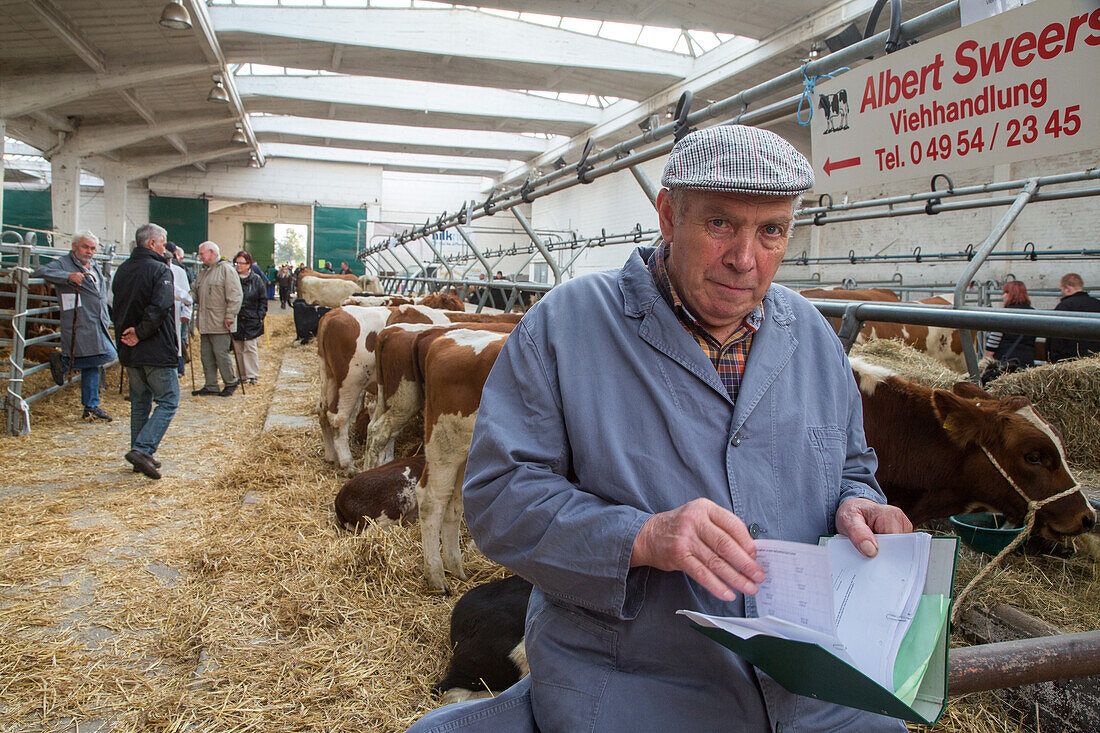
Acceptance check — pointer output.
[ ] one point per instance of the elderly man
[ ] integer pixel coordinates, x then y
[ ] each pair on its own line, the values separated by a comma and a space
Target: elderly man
217, 293
85, 336
1075, 300
145, 322
626, 467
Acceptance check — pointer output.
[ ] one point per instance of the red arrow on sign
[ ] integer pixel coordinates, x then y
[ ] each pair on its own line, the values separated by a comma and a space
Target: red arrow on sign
829, 166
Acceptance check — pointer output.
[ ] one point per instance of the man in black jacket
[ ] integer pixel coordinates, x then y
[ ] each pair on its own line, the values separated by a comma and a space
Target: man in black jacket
147, 344
1074, 299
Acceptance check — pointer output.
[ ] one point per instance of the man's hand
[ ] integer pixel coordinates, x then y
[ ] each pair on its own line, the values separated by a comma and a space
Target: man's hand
76, 278
860, 519
129, 337
705, 541
228, 323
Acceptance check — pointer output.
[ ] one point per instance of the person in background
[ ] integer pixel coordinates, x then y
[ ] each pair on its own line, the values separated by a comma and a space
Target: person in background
217, 294
326, 268
82, 290
250, 318
182, 296
148, 344
1010, 352
1075, 300
344, 269
177, 255
285, 281
499, 275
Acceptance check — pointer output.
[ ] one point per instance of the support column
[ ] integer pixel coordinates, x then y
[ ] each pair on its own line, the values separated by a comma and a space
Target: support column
114, 205
3, 130
65, 195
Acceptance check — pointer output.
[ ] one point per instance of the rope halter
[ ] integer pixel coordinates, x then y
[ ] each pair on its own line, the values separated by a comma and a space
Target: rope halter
1033, 507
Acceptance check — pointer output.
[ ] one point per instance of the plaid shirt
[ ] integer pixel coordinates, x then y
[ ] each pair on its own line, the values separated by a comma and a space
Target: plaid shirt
728, 358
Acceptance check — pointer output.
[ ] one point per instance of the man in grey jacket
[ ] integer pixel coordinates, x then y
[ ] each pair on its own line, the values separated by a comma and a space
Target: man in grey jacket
217, 295
626, 468
85, 336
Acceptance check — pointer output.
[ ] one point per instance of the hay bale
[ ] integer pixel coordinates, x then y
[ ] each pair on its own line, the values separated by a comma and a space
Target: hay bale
1068, 395
907, 362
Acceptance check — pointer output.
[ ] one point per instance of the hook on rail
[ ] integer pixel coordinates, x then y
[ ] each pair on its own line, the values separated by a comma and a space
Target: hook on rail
821, 200
683, 108
852, 256
1029, 251
916, 253
488, 206
969, 252
583, 168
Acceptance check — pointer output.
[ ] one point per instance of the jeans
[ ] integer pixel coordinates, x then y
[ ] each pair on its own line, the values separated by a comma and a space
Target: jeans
149, 384
88, 366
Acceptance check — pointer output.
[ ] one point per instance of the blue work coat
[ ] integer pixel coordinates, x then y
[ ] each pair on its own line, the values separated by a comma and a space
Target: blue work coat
601, 411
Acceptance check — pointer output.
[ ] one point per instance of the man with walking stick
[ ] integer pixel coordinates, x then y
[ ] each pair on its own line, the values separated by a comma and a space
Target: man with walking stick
85, 336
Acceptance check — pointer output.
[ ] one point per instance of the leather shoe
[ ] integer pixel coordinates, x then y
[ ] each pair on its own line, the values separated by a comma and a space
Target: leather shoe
143, 463
96, 413
204, 391
229, 389
57, 368
156, 464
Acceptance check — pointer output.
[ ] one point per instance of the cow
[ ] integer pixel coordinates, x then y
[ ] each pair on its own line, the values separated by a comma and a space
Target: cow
306, 272
455, 367
942, 344
932, 460
329, 291
442, 301
370, 284
307, 319
488, 654
385, 496
346, 341
437, 301
400, 394
347, 366
367, 300
35, 294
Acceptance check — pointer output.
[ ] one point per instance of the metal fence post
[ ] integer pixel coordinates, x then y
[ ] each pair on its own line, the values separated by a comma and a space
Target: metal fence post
477, 252
651, 191
19, 417
972, 267
538, 243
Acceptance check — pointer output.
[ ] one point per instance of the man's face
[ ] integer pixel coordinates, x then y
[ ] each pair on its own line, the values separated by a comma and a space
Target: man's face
178, 255
157, 244
207, 256
725, 251
84, 250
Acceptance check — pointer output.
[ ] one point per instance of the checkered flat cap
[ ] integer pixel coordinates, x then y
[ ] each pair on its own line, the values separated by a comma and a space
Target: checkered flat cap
738, 159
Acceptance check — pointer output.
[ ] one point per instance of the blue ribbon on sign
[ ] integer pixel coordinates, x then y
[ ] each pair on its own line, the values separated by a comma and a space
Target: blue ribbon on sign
808, 91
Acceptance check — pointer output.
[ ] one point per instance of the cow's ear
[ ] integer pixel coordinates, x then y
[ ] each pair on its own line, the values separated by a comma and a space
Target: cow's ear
971, 390
1015, 402
962, 419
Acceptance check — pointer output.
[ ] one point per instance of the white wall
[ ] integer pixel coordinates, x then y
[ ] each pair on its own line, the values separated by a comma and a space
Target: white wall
93, 215
282, 180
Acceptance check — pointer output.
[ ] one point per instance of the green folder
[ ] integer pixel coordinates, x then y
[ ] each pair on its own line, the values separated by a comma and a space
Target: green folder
807, 669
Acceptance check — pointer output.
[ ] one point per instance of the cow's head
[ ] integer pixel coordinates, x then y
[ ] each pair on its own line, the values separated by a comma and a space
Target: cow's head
1026, 446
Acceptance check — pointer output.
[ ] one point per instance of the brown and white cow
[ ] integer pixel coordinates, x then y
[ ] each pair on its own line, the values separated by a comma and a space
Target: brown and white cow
931, 463
400, 393
385, 496
942, 344
455, 367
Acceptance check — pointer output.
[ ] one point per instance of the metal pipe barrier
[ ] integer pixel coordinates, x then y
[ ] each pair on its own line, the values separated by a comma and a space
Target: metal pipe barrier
27, 256
1022, 662
624, 155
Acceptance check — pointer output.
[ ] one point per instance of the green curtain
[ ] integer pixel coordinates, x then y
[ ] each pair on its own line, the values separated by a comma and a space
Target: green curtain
185, 219
334, 231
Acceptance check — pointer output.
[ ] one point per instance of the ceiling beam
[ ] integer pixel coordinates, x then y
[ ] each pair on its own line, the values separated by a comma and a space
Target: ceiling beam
445, 46
397, 138
20, 95
392, 161
204, 28
177, 142
66, 29
139, 106
424, 104
151, 166
100, 138
56, 122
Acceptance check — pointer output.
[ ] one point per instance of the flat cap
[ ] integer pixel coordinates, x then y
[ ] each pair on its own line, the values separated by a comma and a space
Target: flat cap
738, 159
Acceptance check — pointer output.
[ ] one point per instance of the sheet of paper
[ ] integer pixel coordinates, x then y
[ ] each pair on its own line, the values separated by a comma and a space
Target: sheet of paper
894, 578
797, 586
68, 301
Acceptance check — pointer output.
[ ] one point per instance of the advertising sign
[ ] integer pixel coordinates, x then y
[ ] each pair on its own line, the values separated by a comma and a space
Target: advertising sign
1023, 84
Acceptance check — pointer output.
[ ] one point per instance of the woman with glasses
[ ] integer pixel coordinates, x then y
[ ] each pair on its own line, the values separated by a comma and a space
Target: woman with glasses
250, 319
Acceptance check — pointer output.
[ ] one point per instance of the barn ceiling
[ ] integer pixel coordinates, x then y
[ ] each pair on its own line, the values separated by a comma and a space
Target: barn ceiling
490, 91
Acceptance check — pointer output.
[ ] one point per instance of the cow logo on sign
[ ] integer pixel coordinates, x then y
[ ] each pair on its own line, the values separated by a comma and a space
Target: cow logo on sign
835, 107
